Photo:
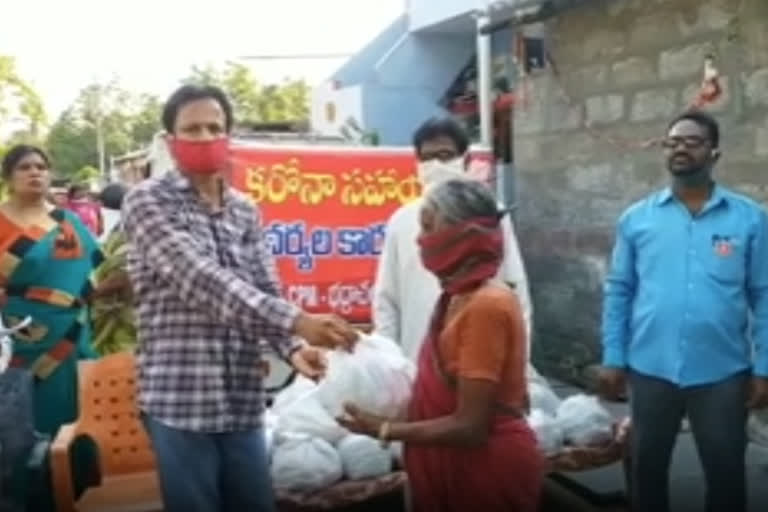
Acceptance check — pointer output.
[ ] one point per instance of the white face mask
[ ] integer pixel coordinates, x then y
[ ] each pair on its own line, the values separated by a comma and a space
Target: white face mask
434, 172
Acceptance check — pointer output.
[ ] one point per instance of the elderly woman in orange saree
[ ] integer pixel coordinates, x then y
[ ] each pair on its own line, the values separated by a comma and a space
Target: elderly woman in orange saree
467, 444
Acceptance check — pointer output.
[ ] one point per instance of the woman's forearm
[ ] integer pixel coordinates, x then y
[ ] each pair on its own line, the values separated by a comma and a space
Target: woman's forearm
443, 430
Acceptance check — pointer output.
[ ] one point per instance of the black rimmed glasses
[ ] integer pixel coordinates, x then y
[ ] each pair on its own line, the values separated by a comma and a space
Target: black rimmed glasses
689, 142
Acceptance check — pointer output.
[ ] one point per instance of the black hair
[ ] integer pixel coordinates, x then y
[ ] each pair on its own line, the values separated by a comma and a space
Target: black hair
702, 119
17, 153
441, 127
112, 195
189, 93
75, 188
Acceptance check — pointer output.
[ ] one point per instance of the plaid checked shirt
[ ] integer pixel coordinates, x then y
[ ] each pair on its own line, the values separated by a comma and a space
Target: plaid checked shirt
207, 293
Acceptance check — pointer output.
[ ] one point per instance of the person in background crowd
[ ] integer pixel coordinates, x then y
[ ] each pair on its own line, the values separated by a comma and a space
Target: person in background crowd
467, 444
688, 268
405, 291
207, 292
114, 328
49, 256
58, 197
87, 209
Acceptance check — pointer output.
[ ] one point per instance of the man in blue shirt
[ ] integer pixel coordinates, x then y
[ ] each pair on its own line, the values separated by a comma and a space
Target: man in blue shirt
689, 266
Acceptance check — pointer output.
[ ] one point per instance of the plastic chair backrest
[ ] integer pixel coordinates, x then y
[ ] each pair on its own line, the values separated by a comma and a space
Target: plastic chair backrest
110, 416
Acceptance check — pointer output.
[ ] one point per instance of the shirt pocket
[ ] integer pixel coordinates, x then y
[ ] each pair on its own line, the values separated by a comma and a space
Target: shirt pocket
726, 262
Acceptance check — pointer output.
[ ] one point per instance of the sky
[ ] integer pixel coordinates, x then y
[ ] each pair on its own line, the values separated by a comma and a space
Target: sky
62, 45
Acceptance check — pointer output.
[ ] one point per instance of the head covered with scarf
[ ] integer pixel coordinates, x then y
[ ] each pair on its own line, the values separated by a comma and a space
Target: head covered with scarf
461, 241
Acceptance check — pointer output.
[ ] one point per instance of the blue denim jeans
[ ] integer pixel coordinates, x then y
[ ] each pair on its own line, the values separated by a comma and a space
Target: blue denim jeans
199, 472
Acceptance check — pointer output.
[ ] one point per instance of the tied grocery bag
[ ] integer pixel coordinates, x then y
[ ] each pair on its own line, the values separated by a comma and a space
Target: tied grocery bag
376, 376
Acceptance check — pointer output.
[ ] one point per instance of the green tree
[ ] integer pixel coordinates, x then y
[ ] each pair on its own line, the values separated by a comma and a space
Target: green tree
86, 175
72, 144
253, 101
145, 122
20, 105
21, 108
126, 122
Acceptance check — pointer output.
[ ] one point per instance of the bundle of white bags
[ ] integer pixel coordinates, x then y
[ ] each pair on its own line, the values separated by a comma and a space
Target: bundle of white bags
310, 450
304, 463
579, 420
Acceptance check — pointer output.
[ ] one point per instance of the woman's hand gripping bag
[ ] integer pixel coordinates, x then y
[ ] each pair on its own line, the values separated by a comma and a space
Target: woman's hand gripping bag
376, 376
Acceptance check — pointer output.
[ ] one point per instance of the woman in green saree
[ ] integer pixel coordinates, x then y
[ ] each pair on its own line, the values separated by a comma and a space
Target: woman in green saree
47, 257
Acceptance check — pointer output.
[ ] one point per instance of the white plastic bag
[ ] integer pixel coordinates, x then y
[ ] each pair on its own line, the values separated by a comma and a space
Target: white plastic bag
376, 377
363, 457
270, 424
6, 346
757, 427
302, 463
6, 342
397, 450
541, 397
307, 416
584, 421
548, 432
299, 388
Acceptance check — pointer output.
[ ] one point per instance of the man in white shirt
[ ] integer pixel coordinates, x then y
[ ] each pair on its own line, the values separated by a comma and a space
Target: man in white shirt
405, 292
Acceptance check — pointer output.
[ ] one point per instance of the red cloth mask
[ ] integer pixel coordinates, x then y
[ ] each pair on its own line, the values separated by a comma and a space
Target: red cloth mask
463, 256
200, 156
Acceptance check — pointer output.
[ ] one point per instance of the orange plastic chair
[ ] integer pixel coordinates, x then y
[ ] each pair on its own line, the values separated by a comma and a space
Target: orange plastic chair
108, 415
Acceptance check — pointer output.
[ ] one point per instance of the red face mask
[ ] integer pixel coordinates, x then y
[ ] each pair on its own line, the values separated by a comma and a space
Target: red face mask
200, 156
465, 255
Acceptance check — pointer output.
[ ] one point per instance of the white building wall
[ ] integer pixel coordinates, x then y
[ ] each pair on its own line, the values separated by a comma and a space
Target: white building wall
332, 107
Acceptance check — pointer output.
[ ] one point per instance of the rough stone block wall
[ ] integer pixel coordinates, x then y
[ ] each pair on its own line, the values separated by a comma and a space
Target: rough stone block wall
622, 69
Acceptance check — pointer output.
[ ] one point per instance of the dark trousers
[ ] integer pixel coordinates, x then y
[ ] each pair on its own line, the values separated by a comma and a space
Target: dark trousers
201, 472
717, 414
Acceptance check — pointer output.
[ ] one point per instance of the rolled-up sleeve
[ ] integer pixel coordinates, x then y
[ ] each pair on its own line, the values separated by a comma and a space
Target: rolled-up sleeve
198, 280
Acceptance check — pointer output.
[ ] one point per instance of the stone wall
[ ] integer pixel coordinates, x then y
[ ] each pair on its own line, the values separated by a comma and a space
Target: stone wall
621, 70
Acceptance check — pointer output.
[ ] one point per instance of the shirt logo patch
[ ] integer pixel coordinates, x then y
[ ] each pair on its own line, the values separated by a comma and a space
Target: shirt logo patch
722, 245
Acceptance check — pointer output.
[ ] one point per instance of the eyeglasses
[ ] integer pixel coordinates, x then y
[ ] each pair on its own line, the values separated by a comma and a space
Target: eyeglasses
443, 155
689, 142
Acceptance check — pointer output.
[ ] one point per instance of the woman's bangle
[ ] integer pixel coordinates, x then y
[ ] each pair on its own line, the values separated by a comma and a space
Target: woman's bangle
384, 429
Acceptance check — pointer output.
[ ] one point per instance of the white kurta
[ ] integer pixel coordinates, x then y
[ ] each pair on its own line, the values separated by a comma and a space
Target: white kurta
406, 293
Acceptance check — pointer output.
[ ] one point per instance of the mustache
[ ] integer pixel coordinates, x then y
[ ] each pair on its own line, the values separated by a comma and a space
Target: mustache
681, 155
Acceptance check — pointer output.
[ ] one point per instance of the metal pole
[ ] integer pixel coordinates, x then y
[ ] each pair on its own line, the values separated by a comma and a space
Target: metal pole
484, 87
99, 134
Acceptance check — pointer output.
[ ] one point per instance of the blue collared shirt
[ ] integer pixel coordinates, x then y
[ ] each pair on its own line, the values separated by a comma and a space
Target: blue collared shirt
681, 288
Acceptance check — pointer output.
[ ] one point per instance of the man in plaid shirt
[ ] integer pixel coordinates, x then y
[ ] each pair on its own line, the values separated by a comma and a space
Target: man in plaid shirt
207, 294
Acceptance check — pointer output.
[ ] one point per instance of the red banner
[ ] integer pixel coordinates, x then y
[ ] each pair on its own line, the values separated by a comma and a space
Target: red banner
324, 214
